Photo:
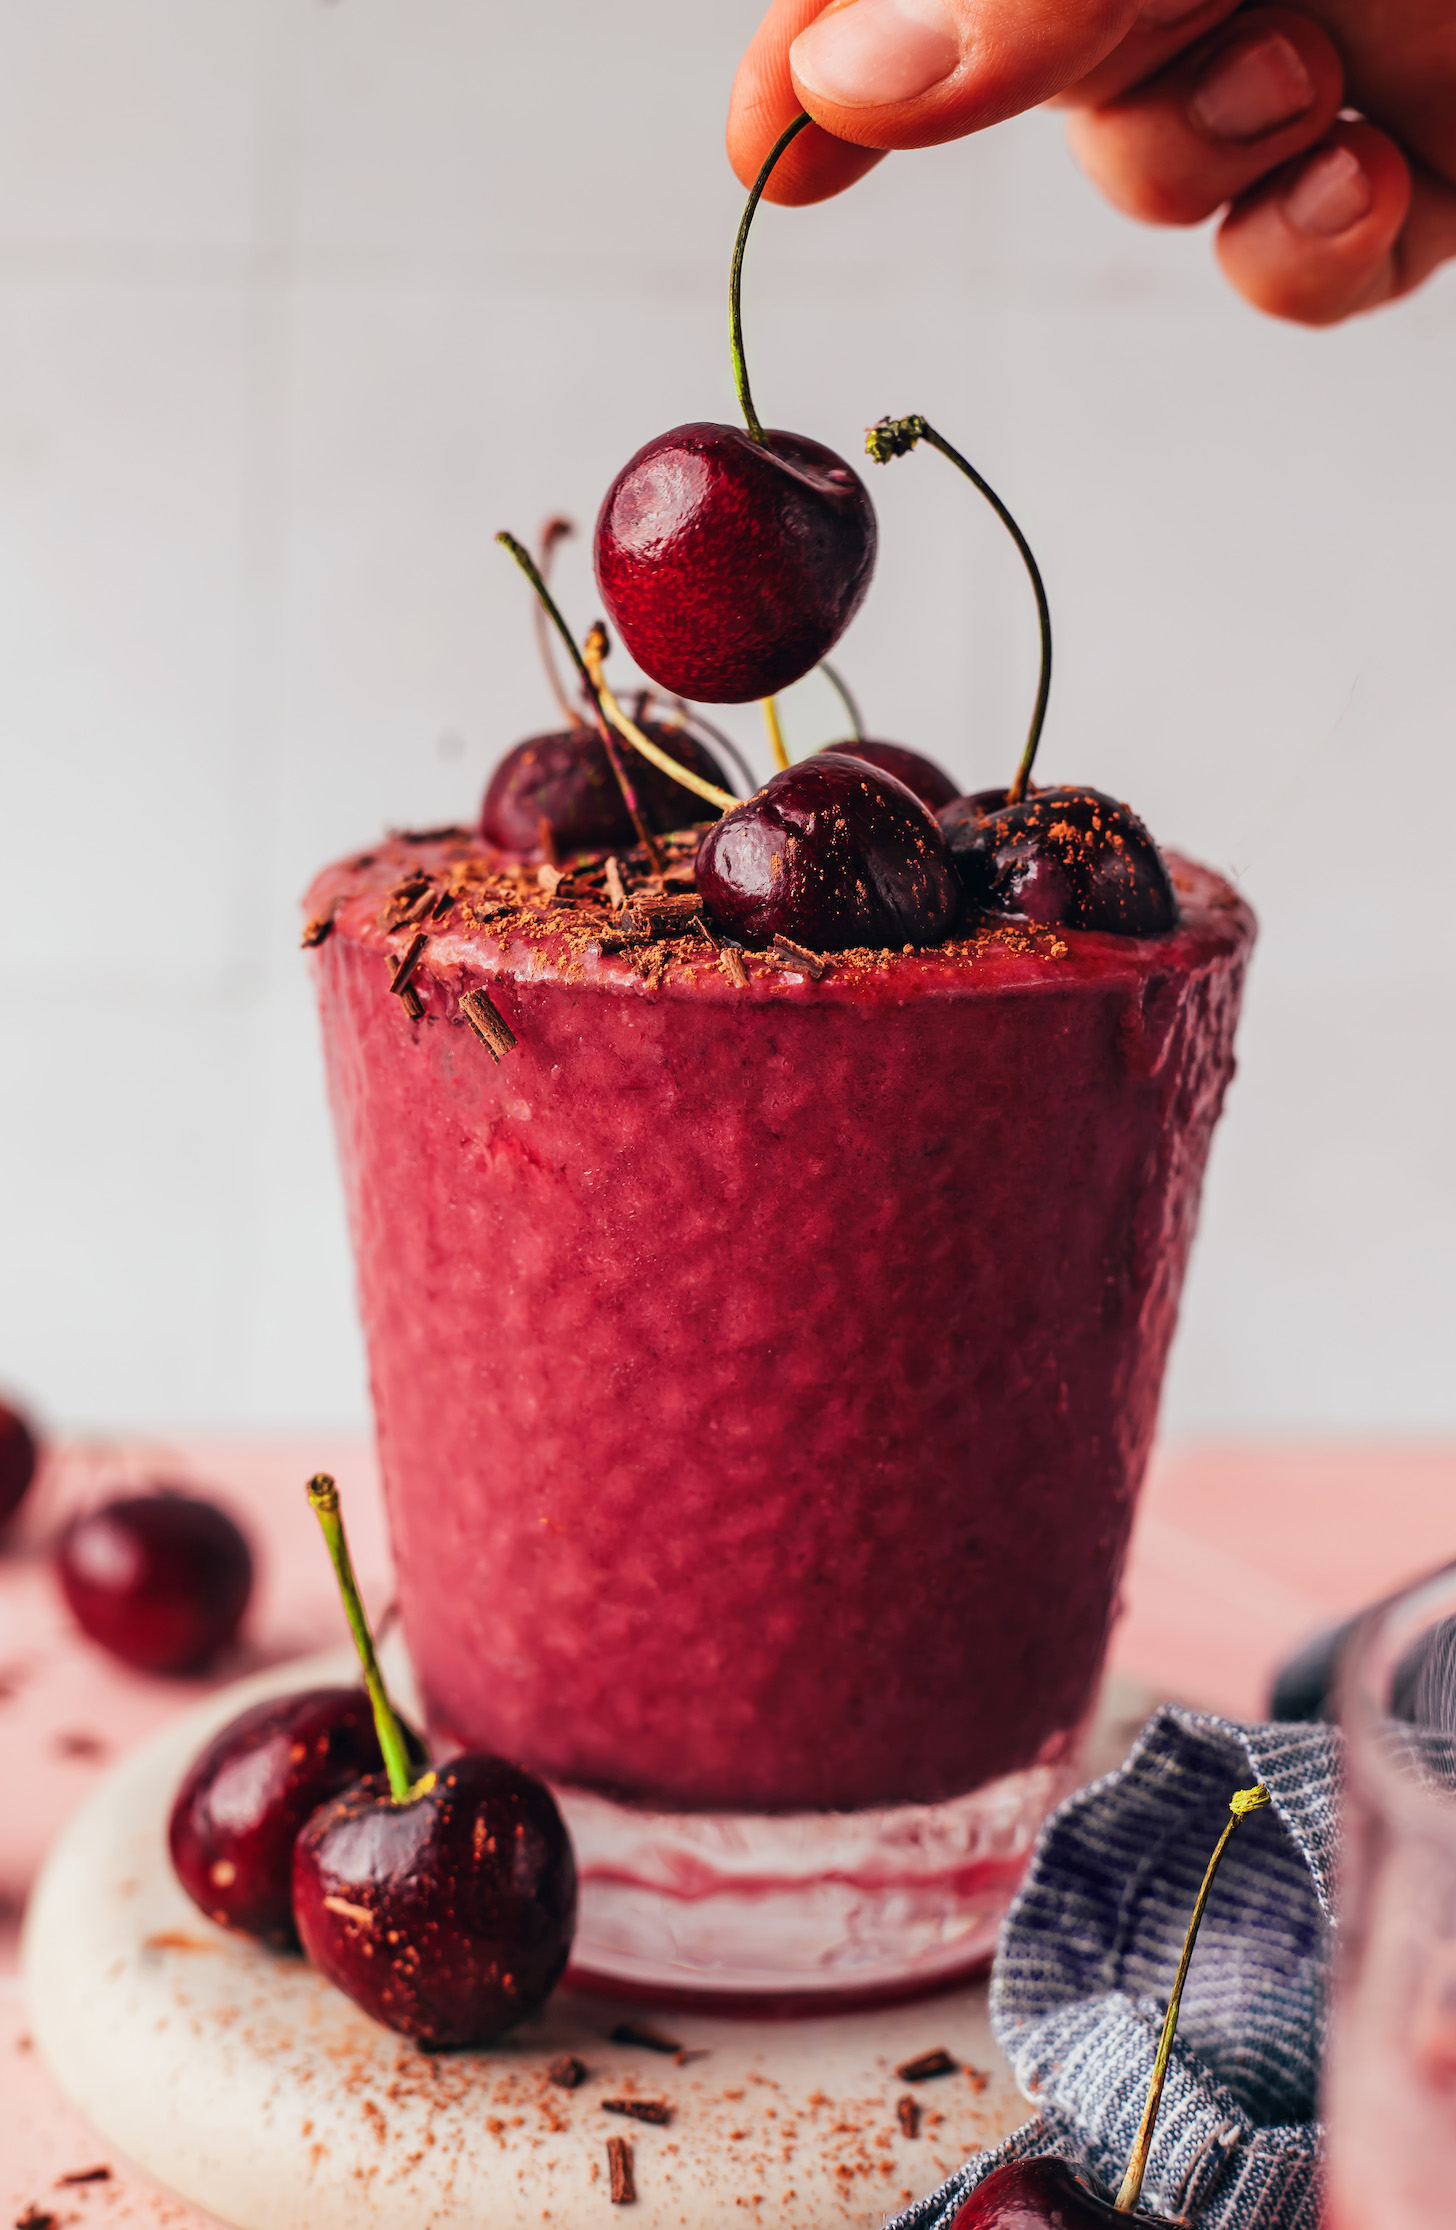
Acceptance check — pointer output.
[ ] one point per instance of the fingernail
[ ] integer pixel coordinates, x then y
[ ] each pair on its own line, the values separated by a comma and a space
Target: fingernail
1331, 194
1251, 89
875, 52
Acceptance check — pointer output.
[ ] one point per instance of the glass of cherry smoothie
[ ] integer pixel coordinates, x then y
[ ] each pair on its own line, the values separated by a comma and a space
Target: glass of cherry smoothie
765, 1355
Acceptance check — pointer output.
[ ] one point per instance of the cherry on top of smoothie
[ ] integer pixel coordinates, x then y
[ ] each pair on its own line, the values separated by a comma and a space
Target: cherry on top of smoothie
474, 913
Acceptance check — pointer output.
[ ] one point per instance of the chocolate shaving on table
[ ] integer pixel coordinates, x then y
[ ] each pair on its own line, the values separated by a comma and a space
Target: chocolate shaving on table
619, 2168
641, 2109
810, 962
405, 966
907, 2113
616, 889
730, 960
488, 1023
568, 2073
927, 2064
316, 930
85, 2176
36, 2218
638, 2032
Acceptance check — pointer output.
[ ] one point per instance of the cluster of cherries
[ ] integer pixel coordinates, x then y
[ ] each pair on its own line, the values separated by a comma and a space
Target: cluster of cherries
730, 560
440, 1899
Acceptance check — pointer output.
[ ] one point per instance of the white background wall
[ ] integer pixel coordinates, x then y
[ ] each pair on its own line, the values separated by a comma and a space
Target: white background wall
300, 302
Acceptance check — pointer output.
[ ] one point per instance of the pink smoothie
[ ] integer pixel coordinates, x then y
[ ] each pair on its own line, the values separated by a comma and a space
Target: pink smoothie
764, 1374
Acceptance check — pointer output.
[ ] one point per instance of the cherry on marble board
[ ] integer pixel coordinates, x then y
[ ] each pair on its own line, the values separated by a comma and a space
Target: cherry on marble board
566, 780
161, 1580
19, 1454
443, 1902
447, 1916
237, 1815
1068, 858
931, 784
832, 853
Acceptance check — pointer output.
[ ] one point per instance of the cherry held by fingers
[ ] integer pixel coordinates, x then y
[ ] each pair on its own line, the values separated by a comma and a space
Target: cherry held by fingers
731, 565
238, 1812
161, 1579
18, 1456
1040, 2194
565, 779
832, 853
449, 1916
1070, 858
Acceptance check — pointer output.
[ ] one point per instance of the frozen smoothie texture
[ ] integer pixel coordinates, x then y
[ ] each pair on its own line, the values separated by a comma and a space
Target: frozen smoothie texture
764, 1372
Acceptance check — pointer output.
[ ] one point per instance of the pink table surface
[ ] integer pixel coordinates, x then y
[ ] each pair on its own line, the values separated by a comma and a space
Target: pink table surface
1240, 1552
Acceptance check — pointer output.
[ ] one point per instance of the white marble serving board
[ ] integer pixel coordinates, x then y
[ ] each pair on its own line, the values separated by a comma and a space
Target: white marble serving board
251, 2087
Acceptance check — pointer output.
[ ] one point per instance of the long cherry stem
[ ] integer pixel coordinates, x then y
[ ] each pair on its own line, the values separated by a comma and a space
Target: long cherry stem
846, 697
895, 437
775, 729
610, 714
1241, 1803
555, 530
323, 1498
735, 279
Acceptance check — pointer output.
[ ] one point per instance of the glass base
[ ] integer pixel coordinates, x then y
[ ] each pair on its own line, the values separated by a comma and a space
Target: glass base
787, 1911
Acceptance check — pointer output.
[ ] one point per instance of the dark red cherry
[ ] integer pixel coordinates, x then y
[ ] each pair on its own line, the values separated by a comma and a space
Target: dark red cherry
160, 1579
1072, 858
1041, 2194
565, 779
448, 1917
728, 566
931, 784
238, 1812
18, 1456
831, 853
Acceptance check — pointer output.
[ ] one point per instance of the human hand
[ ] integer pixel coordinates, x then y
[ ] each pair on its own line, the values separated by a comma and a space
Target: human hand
1176, 112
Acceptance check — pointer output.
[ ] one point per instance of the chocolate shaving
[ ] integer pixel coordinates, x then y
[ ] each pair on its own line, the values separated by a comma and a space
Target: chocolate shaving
442, 905
730, 960
641, 2109
405, 966
938, 2062
705, 932
546, 842
663, 910
651, 2040
413, 1004
568, 2073
86, 2176
619, 2168
315, 931
619, 940
36, 2218
488, 1023
616, 890
907, 2113
810, 962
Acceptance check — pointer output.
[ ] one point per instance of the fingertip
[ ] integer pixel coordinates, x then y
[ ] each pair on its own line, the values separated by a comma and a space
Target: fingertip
1316, 241
764, 101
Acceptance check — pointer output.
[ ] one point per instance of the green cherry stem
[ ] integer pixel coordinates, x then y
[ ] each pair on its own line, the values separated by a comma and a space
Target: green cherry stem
895, 437
735, 280
1241, 1803
609, 713
846, 697
323, 1498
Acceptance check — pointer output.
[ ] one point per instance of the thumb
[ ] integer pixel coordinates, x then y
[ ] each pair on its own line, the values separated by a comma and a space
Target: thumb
911, 73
